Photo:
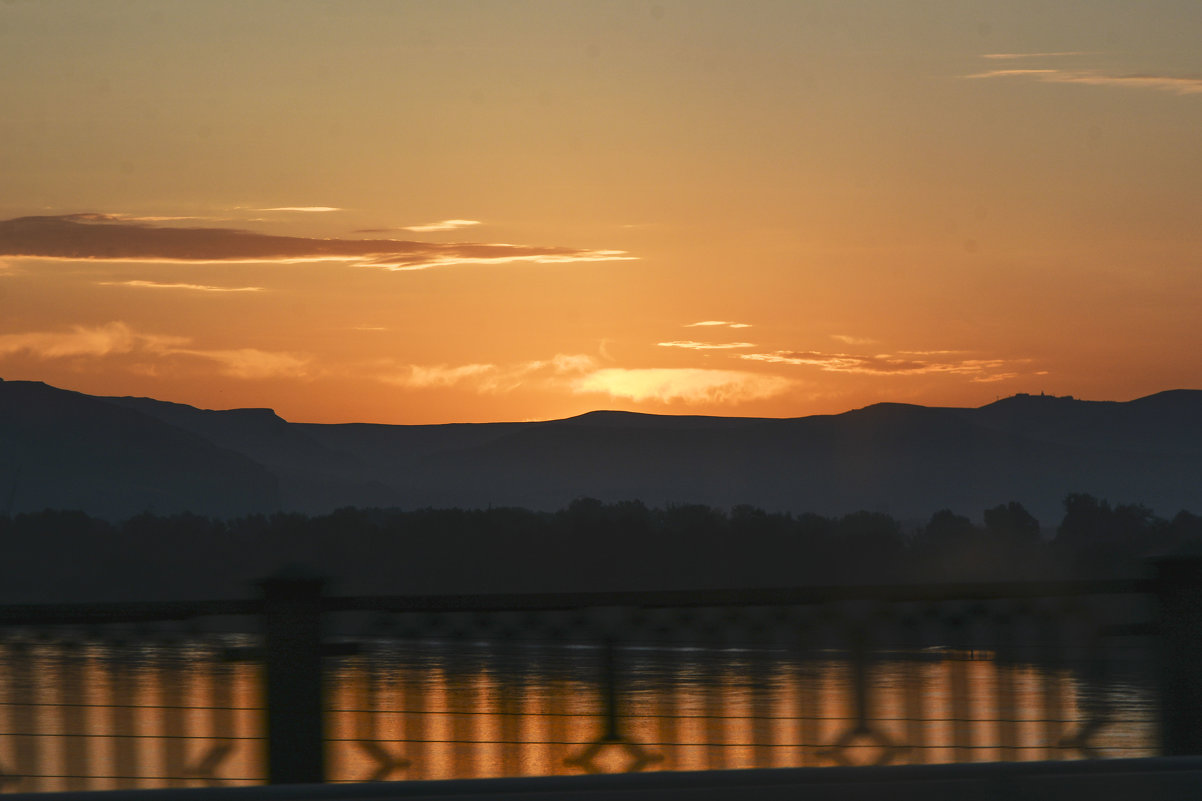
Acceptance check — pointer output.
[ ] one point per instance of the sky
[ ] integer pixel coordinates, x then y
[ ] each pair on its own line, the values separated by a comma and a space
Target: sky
436, 212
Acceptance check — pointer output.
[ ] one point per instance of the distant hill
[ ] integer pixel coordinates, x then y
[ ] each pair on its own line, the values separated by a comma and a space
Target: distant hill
66, 450
117, 456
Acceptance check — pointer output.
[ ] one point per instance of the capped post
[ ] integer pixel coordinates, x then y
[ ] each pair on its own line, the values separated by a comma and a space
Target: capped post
292, 608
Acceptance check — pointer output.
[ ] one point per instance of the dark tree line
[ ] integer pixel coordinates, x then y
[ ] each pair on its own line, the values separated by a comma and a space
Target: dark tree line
59, 555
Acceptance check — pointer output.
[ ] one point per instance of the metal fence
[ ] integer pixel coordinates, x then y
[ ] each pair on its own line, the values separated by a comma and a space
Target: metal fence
679, 681
105, 696
299, 686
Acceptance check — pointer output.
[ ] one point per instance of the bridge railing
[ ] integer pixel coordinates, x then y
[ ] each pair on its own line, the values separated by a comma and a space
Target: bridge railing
301, 686
105, 696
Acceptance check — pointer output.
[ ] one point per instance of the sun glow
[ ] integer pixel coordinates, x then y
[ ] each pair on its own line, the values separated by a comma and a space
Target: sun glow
413, 212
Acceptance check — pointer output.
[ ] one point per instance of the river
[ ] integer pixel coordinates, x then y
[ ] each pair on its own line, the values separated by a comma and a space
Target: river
145, 712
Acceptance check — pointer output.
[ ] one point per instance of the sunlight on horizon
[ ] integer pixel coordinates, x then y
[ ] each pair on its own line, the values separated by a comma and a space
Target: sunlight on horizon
938, 205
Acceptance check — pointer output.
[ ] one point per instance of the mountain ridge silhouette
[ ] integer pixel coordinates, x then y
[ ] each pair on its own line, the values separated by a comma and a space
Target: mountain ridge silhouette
118, 456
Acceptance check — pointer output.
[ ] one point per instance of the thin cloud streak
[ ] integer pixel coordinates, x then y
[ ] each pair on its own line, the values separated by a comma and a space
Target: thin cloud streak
1165, 83
580, 375
252, 363
851, 340
931, 352
1063, 53
104, 340
521, 254
686, 385
119, 339
85, 237
191, 287
445, 225
693, 345
1012, 73
718, 322
488, 378
132, 218
417, 376
887, 364
303, 209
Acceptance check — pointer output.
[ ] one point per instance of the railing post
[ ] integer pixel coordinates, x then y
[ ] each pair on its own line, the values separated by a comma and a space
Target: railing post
292, 607
1179, 592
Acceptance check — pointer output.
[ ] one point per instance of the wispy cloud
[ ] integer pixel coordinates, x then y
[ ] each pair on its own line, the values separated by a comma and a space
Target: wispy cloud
132, 218
908, 363
686, 385
846, 339
991, 378
1059, 54
1180, 85
303, 209
726, 323
253, 363
437, 375
581, 375
693, 345
453, 255
444, 225
102, 340
119, 339
189, 287
487, 378
92, 237
1012, 73
1167, 83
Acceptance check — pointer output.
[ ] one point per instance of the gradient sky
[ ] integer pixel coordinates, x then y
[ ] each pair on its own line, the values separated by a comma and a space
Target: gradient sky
423, 212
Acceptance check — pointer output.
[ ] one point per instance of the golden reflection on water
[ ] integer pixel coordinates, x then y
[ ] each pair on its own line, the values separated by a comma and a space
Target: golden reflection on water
716, 711
96, 716
111, 715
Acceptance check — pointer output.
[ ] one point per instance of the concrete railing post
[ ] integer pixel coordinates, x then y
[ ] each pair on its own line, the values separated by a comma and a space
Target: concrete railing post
1179, 592
292, 608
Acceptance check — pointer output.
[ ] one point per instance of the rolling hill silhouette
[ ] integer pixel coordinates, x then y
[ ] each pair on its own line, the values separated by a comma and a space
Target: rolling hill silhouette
66, 450
115, 457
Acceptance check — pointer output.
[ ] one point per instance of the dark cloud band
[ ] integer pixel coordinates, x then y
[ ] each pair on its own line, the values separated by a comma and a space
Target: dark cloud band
104, 237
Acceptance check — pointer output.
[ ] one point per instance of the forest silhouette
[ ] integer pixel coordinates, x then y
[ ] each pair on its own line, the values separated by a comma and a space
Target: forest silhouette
587, 545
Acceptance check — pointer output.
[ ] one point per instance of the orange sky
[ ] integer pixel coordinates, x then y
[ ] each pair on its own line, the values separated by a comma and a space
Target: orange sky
413, 212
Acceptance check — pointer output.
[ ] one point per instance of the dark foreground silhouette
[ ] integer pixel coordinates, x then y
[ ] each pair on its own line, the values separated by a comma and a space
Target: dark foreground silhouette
118, 457
588, 545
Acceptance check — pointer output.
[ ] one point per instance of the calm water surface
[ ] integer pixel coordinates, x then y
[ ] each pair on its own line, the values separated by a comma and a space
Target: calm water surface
100, 715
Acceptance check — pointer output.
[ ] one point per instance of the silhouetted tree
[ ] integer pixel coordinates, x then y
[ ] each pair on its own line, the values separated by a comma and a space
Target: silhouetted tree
62, 555
945, 530
584, 516
1011, 523
1184, 532
867, 545
1085, 521
1099, 538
